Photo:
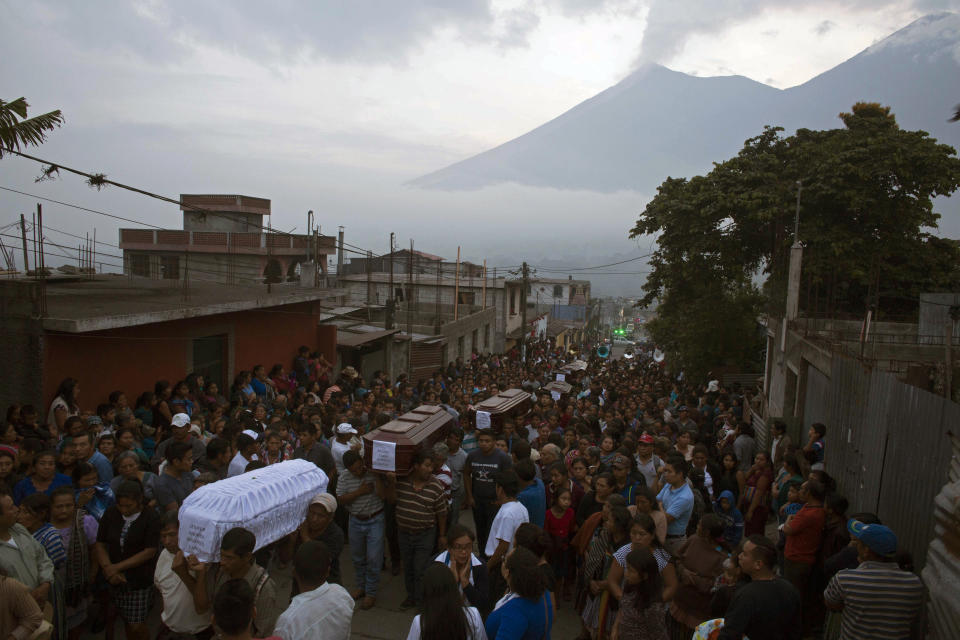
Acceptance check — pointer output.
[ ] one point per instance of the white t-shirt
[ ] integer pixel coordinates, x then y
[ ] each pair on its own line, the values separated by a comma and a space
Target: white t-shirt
473, 619
338, 449
510, 516
238, 465
178, 611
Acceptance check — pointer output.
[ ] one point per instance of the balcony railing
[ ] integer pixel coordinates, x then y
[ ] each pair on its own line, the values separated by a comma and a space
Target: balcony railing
223, 241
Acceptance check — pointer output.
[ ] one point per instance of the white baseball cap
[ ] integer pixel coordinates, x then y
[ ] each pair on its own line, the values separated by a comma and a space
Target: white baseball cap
345, 427
180, 420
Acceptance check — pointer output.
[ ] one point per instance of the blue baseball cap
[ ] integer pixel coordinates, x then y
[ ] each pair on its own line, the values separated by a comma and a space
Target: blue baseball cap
878, 538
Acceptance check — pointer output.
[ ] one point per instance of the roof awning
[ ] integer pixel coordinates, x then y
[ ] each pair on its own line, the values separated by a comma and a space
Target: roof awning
350, 339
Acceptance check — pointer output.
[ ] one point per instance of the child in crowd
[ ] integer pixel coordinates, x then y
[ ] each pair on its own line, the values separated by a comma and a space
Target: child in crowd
727, 509
560, 523
641, 611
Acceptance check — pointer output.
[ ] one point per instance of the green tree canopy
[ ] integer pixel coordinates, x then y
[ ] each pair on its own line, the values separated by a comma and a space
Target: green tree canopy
866, 212
17, 130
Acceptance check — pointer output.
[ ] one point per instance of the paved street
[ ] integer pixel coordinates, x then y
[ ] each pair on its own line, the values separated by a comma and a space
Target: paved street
388, 621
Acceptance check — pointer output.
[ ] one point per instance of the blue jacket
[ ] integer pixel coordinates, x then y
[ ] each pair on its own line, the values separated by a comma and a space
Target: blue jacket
732, 519
534, 498
522, 619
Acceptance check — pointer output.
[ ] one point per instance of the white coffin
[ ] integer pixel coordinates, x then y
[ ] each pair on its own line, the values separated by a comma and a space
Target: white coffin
271, 502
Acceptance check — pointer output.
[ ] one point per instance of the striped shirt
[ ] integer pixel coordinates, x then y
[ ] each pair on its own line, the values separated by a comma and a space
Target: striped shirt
365, 505
469, 441
50, 539
419, 510
879, 600
445, 477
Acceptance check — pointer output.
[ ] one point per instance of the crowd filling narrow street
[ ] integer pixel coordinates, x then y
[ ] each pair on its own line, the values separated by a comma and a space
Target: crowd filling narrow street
626, 503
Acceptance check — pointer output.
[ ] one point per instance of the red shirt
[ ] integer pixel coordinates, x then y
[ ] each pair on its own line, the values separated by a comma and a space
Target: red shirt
807, 528
559, 528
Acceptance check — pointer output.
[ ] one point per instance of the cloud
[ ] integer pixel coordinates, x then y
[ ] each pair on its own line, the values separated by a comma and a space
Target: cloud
670, 24
278, 32
824, 27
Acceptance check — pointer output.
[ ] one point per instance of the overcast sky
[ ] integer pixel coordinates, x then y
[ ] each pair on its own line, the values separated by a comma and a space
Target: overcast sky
332, 106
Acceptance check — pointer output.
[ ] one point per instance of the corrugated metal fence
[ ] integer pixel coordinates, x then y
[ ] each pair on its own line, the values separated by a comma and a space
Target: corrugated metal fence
942, 573
887, 445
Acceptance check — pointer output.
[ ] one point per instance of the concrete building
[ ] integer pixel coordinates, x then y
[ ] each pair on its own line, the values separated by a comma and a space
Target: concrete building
224, 239
120, 333
432, 297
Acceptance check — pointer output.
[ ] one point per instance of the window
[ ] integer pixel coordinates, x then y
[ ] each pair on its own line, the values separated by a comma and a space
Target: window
513, 302
140, 265
208, 358
460, 346
557, 291
170, 267
467, 297
474, 340
398, 294
486, 336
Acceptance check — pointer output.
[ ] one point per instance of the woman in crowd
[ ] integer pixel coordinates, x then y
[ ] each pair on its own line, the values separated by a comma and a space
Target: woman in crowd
180, 401
444, 615
127, 442
273, 449
646, 502
641, 612
643, 535
127, 542
128, 468
44, 478
34, 516
755, 502
78, 532
789, 473
470, 572
596, 568
699, 563
594, 500
162, 413
143, 411
64, 405
731, 478
8, 472
526, 611
93, 496
579, 475
537, 541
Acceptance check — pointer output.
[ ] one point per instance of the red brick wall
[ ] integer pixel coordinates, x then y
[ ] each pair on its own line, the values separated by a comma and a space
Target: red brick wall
133, 359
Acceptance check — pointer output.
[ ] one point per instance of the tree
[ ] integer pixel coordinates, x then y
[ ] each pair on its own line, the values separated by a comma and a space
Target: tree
17, 130
866, 212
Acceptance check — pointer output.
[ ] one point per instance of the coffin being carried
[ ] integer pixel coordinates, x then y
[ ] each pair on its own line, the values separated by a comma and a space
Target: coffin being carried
391, 447
271, 502
512, 403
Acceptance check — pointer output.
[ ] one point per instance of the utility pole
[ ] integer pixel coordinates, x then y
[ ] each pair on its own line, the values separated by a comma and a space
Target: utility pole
796, 260
391, 297
484, 303
369, 278
523, 313
456, 289
340, 257
410, 291
23, 235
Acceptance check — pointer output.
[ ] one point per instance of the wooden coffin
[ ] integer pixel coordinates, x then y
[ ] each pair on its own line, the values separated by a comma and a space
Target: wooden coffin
391, 447
515, 403
557, 386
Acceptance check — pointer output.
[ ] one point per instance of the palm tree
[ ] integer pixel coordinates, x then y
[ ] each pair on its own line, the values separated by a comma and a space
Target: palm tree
17, 130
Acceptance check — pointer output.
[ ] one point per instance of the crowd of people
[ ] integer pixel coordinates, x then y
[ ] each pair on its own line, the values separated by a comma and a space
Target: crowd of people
639, 500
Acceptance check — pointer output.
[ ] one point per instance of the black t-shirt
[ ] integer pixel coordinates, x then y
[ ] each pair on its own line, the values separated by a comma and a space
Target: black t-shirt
483, 469
143, 533
768, 609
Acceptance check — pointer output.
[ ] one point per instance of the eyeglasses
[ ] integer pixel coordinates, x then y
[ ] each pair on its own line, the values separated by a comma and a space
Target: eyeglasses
463, 547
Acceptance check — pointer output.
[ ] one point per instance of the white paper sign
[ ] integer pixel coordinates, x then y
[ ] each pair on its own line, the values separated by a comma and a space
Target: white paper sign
384, 456
555, 395
483, 419
561, 377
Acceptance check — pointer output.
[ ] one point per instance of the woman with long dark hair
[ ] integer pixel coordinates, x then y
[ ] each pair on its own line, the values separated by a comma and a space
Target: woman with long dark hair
44, 478
64, 405
755, 501
469, 572
526, 611
444, 616
641, 613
